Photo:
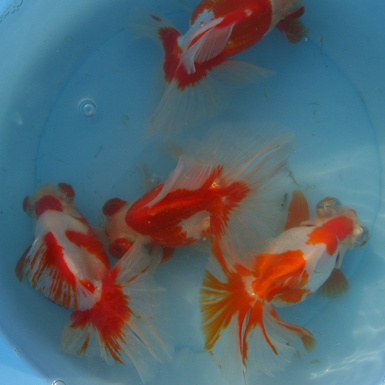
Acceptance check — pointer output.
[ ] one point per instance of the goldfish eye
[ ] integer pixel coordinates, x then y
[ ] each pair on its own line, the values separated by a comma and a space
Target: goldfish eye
26, 204
67, 189
360, 235
328, 207
112, 206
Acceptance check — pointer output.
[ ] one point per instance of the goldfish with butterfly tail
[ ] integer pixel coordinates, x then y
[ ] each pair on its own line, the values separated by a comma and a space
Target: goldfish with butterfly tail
198, 74
225, 186
114, 308
240, 324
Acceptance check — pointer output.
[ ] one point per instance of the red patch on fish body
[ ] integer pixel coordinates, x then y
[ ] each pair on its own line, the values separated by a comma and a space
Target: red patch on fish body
91, 243
174, 70
162, 220
281, 275
108, 316
169, 37
252, 20
49, 259
47, 202
331, 233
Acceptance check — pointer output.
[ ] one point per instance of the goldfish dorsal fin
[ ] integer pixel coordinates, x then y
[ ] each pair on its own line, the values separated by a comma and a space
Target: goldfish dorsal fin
298, 210
188, 175
150, 181
292, 28
210, 45
335, 286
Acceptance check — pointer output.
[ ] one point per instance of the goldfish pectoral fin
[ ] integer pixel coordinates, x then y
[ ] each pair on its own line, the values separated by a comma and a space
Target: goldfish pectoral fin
239, 74
168, 253
298, 210
122, 326
19, 268
149, 179
335, 286
159, 255
293, 28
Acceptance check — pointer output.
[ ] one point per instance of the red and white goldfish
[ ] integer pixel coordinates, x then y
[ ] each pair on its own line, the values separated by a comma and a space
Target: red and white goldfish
229, 185
240, 325
196, 63
68, 265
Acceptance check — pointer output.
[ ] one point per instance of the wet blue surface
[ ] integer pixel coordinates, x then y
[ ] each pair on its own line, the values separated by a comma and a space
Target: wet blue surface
329, 90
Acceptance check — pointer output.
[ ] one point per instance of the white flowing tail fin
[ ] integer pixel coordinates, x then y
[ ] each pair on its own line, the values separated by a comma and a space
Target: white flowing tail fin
251, 172
122, 326
185, 104
197, 80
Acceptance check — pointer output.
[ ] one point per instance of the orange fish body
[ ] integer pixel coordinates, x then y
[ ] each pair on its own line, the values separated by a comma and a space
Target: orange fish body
291, 268
203, 198
219, 29
68, 265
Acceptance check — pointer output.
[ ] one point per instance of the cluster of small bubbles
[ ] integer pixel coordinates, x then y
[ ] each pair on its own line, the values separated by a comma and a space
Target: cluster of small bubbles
87, 108
11, 7
58, 382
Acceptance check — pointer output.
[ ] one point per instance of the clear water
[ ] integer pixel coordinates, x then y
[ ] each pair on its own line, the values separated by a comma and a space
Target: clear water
82, 123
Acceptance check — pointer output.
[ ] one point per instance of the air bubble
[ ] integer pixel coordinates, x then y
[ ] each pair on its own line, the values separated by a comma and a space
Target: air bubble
87, 108
58, 382
12, 7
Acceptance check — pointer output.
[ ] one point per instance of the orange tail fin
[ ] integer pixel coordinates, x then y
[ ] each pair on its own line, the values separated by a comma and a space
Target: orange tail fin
121, 326
238, 324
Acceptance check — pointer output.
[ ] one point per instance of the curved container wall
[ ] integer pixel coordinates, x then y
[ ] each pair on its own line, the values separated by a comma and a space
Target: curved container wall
329, 89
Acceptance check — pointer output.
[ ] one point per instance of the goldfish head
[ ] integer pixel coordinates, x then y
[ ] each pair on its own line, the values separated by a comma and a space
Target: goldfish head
112, 206
49, 197
332, 207
120, 235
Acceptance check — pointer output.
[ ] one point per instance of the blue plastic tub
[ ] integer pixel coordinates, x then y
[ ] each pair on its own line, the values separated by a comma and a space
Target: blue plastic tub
74, 99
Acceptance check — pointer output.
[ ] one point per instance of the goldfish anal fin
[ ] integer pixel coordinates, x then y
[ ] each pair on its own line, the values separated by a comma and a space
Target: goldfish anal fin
335, 286
298, 210
168, 252
122, 326
47, 272
293, 28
